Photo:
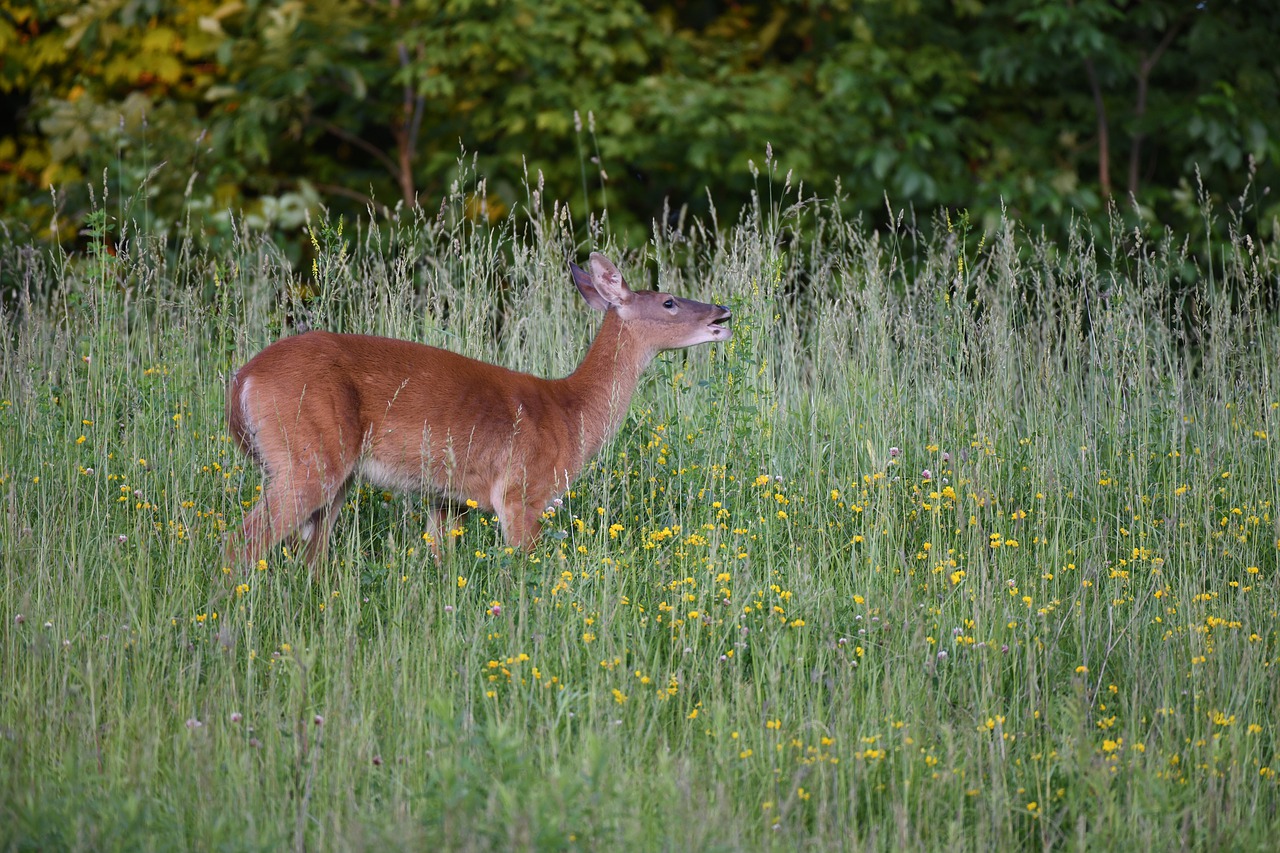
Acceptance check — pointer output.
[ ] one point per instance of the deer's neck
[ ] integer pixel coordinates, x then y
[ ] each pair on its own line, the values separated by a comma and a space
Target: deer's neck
600, 390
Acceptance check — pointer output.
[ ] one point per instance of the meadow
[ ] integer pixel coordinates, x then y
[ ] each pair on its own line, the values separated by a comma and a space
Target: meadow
962, 542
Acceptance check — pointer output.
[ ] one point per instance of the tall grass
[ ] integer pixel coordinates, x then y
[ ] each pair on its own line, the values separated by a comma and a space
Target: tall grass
966, 542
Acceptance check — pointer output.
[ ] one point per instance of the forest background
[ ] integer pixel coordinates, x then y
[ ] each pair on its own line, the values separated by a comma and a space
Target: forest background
206, 113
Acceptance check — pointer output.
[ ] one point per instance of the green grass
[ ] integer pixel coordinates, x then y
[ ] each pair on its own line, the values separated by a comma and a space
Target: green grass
755, 622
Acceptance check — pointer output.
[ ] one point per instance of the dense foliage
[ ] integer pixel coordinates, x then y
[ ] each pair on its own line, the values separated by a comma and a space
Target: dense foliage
223, 108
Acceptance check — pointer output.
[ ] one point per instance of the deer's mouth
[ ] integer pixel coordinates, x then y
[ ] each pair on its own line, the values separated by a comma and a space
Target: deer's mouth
719, 325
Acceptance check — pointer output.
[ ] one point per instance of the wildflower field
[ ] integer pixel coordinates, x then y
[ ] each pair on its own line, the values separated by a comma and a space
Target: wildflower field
967, 542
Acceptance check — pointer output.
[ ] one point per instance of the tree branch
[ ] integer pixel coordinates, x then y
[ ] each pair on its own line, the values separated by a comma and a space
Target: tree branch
368, 147
367, 201
1145, 68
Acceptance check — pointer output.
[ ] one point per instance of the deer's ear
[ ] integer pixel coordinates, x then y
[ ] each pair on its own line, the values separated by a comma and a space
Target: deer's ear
587, 287
608, 280
603, 286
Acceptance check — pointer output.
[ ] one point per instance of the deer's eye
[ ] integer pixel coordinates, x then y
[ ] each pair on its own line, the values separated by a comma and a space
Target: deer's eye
669, 304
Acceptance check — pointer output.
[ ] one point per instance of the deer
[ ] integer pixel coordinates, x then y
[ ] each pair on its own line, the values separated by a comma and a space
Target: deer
318, 410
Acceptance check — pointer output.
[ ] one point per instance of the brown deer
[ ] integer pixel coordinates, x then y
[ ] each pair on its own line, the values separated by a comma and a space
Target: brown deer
317, 409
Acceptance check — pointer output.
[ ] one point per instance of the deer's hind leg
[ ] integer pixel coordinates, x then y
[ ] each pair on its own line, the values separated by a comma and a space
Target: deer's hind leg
303, 490
292, 502
307, 449
314, 533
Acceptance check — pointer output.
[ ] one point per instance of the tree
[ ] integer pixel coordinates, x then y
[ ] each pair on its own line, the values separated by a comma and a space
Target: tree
269, 110
1168, 88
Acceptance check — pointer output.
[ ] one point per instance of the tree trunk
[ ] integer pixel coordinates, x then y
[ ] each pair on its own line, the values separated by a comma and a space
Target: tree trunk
1104, 137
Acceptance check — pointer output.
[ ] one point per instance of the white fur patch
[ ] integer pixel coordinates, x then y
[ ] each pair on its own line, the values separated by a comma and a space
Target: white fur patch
386, 476
246, 412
